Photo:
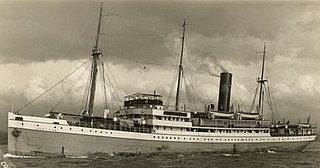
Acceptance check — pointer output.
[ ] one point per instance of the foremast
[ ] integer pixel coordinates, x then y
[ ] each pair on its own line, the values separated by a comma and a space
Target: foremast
180, 66
96, 52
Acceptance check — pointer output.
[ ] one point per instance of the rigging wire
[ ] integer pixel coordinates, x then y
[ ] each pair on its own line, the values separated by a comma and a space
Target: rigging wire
271, 95
195, 91
85, 95
73, 46
140, 62
107, 69
190, 97
17, 111
143, 77
188, 56
103, 83
254, 98
68, 92
174, 82
115, 93
270, 103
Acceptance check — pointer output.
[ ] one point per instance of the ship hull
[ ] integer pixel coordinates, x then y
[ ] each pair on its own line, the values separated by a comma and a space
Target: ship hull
28, 135
35, 142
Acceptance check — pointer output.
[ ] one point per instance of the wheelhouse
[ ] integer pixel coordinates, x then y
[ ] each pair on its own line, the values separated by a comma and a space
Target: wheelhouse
142, 100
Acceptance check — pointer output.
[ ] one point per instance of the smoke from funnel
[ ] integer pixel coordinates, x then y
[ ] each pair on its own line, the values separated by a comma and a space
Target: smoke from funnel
213, 74
212, 66
223, 69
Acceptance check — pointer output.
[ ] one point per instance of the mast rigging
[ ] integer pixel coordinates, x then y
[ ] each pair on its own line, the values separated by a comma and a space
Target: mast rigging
262, 81
180, 66
96, 52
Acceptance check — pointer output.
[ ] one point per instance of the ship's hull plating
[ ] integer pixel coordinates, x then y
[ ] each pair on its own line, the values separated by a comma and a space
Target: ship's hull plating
32, 142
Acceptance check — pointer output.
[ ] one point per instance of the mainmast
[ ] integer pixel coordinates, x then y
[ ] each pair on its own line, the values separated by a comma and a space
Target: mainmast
180, 65
94, 70
262, 81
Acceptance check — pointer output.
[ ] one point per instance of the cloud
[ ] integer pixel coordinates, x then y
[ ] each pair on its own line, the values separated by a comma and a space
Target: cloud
50, 39
305, 83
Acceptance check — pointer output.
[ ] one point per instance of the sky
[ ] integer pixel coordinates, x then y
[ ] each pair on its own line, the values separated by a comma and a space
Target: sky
43, 41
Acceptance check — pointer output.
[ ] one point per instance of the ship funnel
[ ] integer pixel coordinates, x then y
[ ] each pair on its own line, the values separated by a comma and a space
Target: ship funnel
224, 91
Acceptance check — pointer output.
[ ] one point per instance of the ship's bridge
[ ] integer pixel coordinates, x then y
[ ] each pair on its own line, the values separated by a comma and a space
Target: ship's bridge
142, 100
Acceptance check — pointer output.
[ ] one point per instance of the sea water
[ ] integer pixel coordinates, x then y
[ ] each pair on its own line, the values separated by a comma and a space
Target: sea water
309, 158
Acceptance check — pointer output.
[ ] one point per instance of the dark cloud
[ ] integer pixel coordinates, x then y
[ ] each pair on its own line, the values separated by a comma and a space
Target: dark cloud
40, 31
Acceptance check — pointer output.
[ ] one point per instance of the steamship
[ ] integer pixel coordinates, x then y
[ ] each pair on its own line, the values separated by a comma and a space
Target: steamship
145, 125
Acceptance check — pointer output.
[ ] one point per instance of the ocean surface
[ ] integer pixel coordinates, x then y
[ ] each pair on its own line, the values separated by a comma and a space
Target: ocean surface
310, 158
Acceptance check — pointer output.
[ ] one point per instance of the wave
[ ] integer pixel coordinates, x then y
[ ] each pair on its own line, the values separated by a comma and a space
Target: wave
232, 155
8, 155
77, 157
